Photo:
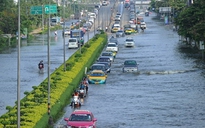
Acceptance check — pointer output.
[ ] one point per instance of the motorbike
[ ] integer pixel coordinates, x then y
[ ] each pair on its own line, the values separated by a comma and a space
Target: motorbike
76, 102
82, 93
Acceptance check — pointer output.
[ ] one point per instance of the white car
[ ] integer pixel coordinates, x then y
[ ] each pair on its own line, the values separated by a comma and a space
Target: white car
143, 25
72, 43
112, 47
129, 42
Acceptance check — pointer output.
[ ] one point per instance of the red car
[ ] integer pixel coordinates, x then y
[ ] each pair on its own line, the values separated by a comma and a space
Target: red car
81, 119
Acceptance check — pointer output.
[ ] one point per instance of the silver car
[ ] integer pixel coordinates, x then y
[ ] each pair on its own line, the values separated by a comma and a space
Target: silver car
129, 42
120, 33
108, 54
130, 66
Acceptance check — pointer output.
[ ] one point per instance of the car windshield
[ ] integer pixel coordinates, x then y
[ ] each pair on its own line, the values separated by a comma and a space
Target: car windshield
96, 67
106, 54
104, 60
80, 117
97, 74
129, 40
119, 31
111, 45
72, 40
105, 63
130, 62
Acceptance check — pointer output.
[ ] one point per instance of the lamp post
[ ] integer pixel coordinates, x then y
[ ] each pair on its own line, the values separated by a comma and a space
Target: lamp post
64, 35
18, 68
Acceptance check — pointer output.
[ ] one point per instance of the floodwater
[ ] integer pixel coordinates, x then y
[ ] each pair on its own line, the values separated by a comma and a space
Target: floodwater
31, 54
167, 92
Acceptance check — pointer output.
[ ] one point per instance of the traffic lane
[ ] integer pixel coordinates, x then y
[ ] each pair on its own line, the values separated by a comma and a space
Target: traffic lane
32, 52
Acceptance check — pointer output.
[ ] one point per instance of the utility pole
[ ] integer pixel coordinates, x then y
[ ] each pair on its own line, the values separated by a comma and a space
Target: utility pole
18, 68
64, 35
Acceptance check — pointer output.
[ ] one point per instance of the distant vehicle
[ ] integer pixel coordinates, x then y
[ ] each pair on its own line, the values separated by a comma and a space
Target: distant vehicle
107, 66
104, 3
113, 40
104, 59
143, 25
130, 66
72, 43
129, 42
55, 21
67, 32
114, 29
98, 67
113, 47
129, 31
120, 33
97, 77
108, 54
146, 13
81, 118
77, 33
117, 18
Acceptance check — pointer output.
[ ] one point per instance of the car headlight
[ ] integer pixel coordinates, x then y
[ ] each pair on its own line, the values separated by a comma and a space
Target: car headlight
68, 127
91, 127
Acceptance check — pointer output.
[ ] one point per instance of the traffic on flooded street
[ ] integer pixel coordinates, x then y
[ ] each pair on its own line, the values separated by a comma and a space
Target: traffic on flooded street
149, 82
166, 91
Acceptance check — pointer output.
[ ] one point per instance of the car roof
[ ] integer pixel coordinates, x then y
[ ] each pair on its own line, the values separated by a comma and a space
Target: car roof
81, 112
104, 57
98, 65
97, 71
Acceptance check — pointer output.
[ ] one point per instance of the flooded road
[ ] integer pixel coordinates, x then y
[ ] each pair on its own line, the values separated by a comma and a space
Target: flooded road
167, 92
31, 54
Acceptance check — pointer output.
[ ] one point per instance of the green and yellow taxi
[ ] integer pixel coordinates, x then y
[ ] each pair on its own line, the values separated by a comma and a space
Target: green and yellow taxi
97, 77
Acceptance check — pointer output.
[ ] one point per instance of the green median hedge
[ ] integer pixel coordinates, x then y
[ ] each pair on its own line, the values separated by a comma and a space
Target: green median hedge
34, 108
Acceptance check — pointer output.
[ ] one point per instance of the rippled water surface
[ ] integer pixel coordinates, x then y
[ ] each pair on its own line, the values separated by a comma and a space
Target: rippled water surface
167, 92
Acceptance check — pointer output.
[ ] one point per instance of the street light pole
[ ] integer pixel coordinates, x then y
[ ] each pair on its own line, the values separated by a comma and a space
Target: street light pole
64, 35
18, 65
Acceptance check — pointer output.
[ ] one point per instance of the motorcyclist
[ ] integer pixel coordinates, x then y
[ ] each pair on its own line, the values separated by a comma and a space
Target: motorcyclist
81, 91
75, 96
85, 82
41, 65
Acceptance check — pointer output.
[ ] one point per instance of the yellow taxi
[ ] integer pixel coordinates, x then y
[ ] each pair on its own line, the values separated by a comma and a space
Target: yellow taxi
130, 31
114, 29
97, 77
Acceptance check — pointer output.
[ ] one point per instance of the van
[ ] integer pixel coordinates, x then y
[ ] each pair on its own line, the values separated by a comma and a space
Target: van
72, 43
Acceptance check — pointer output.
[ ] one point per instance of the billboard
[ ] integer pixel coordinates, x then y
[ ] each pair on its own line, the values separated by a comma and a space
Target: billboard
165, 9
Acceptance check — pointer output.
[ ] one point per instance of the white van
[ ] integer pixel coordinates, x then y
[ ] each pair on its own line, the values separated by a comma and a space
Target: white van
72, 43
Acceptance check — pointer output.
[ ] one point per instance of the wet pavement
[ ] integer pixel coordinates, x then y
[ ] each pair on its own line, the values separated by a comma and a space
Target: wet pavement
168, 91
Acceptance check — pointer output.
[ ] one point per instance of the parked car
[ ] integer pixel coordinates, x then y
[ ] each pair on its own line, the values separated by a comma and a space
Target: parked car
120, 33
130, 66
81, 119
129, 42
97, 77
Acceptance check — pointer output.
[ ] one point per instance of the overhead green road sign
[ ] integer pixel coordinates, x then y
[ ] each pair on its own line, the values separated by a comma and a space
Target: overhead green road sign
35, 10
50, 9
